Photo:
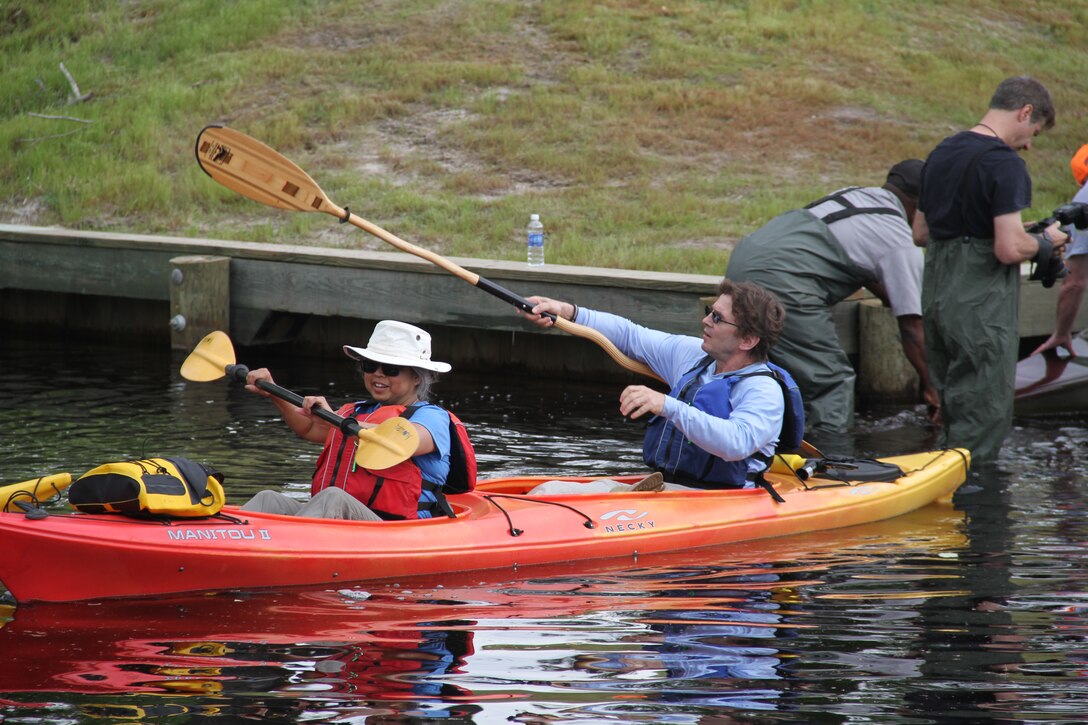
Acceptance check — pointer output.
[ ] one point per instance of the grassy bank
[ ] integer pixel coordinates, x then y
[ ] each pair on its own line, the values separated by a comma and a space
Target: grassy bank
647, 135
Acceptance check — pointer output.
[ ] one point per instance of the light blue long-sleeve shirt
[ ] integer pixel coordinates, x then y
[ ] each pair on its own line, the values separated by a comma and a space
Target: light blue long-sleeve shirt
757, 403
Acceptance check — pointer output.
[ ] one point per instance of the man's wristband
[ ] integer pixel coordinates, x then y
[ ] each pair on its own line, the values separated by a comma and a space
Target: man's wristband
574, 312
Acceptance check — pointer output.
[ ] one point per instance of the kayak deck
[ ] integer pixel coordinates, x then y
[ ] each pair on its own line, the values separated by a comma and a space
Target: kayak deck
90, 556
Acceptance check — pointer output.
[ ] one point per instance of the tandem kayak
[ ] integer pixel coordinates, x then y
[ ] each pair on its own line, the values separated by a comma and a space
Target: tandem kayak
78, 556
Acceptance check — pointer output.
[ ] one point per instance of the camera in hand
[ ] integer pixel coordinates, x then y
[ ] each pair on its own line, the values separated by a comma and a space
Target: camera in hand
1073, 214
1048, 267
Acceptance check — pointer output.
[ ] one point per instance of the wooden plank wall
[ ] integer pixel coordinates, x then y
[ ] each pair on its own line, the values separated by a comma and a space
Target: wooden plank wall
57, 281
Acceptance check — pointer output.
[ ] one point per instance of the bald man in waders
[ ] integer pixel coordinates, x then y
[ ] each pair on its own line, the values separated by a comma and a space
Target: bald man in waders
812, 259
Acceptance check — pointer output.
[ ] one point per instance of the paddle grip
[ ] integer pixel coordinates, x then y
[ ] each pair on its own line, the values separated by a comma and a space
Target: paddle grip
506, 295
350, 426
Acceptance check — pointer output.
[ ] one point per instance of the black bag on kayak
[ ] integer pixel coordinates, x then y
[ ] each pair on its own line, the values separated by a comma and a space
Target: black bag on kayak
167, 486
858, 470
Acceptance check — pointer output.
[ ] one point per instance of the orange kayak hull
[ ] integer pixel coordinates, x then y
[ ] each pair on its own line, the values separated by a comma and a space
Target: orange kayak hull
76, 556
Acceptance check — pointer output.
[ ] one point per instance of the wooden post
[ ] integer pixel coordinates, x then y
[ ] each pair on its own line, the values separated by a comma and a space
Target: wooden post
884, 373
199, 299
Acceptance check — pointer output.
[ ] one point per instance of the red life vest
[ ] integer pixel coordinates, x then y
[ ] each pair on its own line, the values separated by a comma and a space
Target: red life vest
393, 493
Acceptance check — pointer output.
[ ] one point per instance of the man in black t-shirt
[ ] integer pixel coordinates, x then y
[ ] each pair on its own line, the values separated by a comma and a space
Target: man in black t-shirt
974, 187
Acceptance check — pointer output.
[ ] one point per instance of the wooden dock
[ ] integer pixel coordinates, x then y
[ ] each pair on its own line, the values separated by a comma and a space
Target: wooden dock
155, 290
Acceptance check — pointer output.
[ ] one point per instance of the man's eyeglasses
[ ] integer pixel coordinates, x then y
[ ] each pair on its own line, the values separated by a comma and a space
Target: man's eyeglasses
718, 319
391, 371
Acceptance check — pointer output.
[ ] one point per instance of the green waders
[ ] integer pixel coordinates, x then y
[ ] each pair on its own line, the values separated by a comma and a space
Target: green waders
796, 257
971, 311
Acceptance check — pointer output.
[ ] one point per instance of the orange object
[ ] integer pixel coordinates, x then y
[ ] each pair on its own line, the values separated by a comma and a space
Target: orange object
1079, 164
91, 556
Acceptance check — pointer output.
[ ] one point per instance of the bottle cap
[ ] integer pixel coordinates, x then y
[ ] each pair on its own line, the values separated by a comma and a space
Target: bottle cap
534, 217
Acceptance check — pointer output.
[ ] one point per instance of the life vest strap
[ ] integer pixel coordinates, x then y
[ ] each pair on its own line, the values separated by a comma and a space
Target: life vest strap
760, 480
440, 505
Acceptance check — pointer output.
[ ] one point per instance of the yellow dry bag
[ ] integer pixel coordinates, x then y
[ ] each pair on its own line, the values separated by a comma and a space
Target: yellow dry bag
166, 486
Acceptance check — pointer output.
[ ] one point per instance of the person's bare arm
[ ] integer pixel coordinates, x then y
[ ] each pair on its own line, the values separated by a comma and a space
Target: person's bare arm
912, 337
880, 291
1013, 245
920, 229
1070, 297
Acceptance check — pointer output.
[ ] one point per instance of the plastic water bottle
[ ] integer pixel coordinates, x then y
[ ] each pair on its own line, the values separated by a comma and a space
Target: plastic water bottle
536, 241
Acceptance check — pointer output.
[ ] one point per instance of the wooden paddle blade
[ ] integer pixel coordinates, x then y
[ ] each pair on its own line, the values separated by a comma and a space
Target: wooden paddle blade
386, 445
245, 165
209, 359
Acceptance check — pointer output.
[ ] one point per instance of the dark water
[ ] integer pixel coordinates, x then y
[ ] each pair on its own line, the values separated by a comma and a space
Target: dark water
972, 613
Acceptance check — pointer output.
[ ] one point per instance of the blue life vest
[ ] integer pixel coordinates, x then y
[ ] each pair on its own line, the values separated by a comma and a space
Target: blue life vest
666, 449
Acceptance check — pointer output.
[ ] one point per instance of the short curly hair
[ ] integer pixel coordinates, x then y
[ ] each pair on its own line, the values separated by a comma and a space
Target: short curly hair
758, 313
1014, 93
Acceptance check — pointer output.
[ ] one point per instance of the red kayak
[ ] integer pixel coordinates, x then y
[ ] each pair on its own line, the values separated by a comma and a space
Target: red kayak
69, 557
224, 643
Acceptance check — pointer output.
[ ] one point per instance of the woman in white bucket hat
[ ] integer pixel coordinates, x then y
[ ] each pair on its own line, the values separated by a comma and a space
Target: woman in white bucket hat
398, 373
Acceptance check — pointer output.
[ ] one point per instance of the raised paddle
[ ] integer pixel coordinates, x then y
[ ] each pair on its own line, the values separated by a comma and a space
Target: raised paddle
384, 446
245, 165
254, 170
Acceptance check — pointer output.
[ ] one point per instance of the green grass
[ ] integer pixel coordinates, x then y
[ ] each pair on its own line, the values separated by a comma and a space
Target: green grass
648, 135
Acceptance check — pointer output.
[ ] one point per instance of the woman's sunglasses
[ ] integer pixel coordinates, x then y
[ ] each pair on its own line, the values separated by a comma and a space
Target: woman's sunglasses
391, 371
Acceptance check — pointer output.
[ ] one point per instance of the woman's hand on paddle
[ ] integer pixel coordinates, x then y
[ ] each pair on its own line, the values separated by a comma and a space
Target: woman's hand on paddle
637, 400
254, 376
315, 401
302, 420
544, 306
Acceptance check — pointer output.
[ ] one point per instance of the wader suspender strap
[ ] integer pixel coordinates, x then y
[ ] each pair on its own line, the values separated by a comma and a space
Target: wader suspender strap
839, 197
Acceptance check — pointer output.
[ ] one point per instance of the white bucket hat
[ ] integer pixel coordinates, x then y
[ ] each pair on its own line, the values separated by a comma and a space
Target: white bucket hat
398, 343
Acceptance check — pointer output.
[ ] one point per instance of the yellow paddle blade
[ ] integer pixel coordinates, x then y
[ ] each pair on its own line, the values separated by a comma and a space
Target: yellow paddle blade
245, 165
39, 489
386, 445
209, 359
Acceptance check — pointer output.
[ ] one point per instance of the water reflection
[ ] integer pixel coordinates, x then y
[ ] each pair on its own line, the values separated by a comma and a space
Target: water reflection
967, 614
688, 631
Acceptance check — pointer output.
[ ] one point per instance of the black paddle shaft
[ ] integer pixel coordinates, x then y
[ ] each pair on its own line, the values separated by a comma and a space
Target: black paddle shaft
349, 426
504, 294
